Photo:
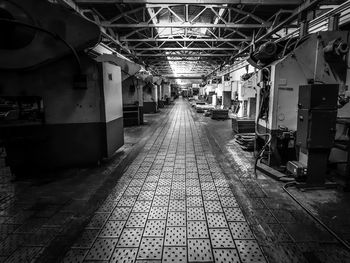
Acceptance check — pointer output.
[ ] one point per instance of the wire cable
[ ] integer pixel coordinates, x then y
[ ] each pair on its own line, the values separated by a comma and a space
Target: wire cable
268, 135
54, 35
340, 240
260, 154
286, 46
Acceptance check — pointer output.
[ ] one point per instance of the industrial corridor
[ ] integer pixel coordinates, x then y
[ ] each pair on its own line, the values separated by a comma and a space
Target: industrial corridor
182, 131
174, 204
179, 190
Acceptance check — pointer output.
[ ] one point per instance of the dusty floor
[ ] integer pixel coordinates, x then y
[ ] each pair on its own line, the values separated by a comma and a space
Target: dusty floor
180, 190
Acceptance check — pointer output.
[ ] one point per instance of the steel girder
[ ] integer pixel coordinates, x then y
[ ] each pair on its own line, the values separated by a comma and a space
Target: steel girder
193, 31
235, 2
222, 36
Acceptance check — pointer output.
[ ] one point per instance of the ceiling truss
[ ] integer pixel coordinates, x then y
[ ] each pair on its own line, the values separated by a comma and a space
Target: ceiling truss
195, 32
195, 37
236, 2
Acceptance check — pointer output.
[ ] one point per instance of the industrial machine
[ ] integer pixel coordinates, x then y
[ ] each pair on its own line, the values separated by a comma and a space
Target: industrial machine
317, 115
227, 94
247, 95
209, 92
59, 107
296, 104
131, 88
244, 104
133, 101
150, 98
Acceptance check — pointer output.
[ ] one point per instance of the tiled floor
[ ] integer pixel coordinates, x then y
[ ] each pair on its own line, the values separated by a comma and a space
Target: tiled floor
41, 216
175, 206
180, 190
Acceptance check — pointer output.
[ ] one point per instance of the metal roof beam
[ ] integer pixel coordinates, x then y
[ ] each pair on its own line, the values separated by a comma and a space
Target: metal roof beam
183, 49
184, 25
182, 60
209, 61
183, 64
124, 39
173, 76
185, 71
234, 2
183, 55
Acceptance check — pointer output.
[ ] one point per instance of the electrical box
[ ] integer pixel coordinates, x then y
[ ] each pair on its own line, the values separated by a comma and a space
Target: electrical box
316, 128
318, 96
